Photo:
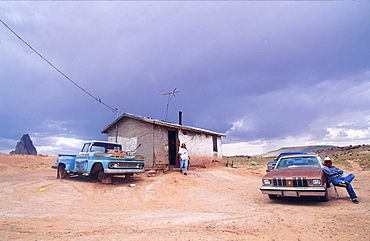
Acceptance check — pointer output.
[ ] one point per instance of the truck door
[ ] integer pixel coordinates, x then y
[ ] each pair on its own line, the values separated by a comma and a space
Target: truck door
82, 159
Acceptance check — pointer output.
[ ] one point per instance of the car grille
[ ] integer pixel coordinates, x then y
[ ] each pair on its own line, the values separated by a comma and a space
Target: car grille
293, 182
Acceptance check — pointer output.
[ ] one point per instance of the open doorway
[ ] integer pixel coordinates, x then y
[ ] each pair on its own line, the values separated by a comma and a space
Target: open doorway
172, 147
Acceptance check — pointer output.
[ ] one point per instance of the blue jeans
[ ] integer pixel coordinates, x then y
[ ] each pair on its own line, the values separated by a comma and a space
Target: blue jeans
184, 164
348, 179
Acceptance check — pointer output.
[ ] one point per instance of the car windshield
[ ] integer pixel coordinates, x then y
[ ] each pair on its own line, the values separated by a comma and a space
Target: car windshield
301, 161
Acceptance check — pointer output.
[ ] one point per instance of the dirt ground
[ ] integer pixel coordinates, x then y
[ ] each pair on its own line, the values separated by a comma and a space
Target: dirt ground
215, 203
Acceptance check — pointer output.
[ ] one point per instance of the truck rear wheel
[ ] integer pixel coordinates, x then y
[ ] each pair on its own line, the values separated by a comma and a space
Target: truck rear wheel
61, 172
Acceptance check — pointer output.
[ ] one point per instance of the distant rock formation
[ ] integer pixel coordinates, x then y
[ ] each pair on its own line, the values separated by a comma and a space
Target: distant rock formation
25, 146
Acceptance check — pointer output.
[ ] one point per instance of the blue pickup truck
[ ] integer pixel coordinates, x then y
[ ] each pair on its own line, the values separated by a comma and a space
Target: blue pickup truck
102, 160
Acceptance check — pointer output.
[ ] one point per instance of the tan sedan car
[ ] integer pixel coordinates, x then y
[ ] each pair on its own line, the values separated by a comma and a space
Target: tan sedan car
296, 176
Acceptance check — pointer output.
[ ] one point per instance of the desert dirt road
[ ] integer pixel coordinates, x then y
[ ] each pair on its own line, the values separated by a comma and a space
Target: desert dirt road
215, 203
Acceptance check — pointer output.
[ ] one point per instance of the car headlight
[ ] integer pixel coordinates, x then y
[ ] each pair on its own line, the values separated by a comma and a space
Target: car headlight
266, 181
316, 182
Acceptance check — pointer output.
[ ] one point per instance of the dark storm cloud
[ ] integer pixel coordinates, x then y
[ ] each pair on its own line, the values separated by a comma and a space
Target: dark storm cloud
264, 73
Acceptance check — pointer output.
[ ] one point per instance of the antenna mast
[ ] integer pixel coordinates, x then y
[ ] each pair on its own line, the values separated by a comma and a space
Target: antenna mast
170, 95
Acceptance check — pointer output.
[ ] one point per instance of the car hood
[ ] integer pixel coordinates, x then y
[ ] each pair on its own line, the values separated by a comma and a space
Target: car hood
309, 172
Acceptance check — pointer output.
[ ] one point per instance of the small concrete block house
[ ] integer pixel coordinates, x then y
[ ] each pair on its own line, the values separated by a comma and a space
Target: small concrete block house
159, 141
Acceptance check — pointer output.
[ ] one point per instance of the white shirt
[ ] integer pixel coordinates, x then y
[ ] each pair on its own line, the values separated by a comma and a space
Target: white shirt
183, 154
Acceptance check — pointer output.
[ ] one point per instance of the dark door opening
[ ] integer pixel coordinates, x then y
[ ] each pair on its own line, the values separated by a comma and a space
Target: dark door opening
172, 147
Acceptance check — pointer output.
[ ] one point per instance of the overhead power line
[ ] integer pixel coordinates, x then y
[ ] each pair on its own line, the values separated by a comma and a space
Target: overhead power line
65, 76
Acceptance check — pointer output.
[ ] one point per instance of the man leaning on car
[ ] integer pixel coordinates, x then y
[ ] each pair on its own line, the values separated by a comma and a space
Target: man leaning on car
334, 176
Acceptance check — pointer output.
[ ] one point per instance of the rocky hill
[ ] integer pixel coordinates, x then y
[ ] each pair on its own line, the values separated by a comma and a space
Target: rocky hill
323, 150
315, 148
346, 150
25, 146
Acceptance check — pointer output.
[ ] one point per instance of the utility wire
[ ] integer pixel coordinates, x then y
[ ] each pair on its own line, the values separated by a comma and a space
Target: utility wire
47, 61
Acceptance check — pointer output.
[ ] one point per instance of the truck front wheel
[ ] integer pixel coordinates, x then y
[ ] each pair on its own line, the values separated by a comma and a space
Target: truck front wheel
61, 172
104, 178
101, 175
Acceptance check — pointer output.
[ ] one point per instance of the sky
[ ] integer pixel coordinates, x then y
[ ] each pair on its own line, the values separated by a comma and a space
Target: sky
267, 74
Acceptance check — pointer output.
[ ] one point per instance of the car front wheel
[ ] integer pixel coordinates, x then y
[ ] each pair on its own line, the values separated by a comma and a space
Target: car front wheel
326, 197
273, 196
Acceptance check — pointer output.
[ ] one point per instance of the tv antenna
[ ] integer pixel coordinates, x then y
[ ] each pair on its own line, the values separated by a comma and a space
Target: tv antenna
118, 111
170, 96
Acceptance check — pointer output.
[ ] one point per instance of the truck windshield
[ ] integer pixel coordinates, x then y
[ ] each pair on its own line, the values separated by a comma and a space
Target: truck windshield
104, 147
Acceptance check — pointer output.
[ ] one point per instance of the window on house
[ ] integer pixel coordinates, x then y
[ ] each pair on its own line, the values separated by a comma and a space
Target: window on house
214, 138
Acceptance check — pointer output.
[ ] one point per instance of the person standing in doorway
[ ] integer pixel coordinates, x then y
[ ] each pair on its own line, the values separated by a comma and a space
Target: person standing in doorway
184, 158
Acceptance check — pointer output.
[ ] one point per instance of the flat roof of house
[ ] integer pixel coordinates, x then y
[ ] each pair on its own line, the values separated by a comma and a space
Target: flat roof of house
161, 123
